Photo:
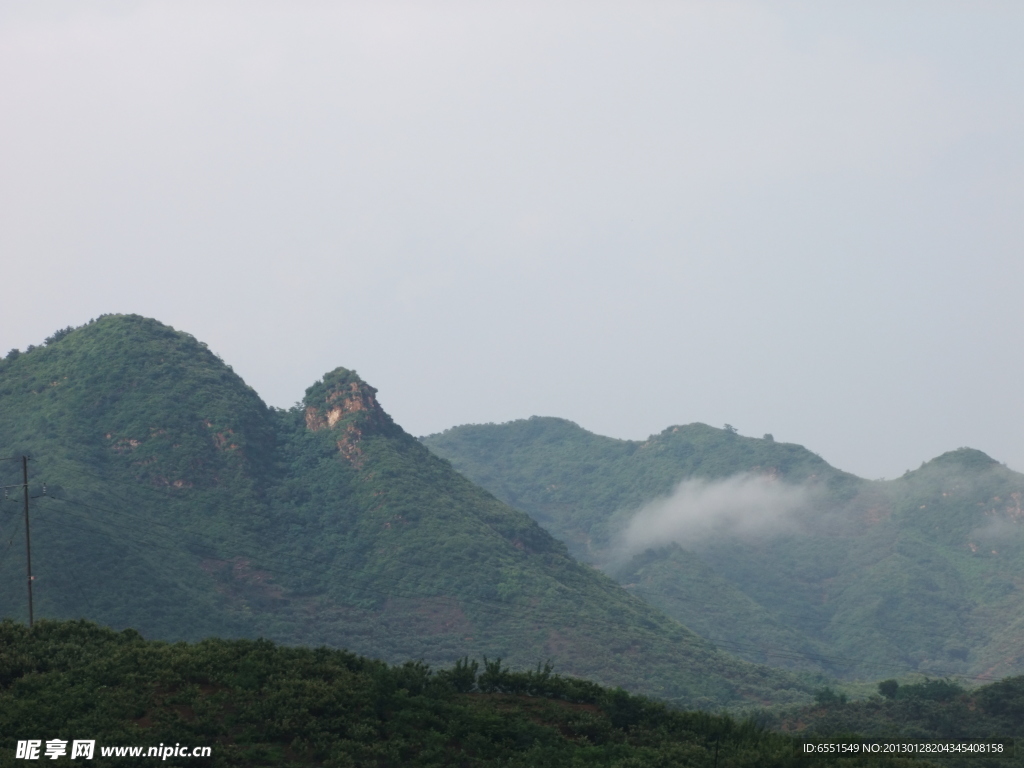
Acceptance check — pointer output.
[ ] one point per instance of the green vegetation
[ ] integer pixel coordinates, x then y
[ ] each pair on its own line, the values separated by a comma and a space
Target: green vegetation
575, 483
258, 704
921, 574
931, 710
178, 504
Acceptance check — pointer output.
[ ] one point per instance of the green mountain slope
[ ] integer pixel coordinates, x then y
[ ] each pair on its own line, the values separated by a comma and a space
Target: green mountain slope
179, 504
924, 573
152, 450
575, 482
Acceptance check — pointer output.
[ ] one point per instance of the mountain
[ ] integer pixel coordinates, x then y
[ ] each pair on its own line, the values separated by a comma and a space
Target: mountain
575, 483
872, 578
177, 503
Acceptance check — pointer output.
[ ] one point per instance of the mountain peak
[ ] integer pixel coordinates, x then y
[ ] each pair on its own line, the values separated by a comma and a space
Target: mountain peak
342, 401
962, 458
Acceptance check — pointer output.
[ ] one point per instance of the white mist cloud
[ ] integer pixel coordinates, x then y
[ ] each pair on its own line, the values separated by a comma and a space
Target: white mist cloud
997, 530
742, 505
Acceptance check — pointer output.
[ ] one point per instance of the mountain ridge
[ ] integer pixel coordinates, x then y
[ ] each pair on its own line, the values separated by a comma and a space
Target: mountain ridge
180, 504
875, 577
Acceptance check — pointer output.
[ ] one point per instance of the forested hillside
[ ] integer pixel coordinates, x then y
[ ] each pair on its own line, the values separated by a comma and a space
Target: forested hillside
931, 711
253, 703
924, 573
178, 504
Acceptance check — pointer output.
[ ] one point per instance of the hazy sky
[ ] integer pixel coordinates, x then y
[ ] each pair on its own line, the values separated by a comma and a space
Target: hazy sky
803, 218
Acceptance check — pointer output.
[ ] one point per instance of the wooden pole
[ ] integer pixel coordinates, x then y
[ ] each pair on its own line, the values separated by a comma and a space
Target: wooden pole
28, 538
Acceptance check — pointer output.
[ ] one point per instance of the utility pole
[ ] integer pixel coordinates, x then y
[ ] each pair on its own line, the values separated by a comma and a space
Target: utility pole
28, 538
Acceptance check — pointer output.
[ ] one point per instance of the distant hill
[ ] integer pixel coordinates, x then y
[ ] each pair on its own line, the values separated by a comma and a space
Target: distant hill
179, 504
924, 573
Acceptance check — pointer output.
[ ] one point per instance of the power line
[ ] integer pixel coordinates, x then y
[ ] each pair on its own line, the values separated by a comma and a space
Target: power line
7, 549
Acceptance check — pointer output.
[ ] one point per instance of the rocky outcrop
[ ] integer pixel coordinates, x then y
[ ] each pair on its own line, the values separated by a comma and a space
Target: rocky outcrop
331, 404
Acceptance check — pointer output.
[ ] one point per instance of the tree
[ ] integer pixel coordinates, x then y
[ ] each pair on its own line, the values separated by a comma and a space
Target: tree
888, 688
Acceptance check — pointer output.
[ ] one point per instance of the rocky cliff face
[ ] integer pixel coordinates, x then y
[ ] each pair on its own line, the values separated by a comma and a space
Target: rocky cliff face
342, 401
340, 393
